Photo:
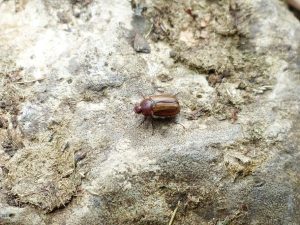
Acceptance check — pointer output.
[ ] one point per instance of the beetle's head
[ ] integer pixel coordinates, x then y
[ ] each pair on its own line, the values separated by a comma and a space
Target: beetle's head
137, 109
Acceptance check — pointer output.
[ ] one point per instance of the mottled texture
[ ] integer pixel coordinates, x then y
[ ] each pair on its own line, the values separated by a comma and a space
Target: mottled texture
71, 150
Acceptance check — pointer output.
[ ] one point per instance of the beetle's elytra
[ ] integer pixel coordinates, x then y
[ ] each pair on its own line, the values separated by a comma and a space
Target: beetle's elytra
163, 106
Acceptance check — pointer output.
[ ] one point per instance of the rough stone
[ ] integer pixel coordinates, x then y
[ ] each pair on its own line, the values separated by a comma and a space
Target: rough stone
71, 150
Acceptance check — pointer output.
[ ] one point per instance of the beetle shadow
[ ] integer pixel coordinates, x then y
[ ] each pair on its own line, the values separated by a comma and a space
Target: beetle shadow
158, 123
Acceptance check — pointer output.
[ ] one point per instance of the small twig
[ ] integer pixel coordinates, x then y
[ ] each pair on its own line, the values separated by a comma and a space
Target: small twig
174, 214
29, 81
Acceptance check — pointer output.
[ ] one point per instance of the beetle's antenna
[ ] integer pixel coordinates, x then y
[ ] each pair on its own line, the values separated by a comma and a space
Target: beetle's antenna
142, 94
180, 124
177, 93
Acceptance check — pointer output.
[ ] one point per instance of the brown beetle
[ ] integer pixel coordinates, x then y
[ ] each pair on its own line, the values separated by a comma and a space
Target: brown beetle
158, 106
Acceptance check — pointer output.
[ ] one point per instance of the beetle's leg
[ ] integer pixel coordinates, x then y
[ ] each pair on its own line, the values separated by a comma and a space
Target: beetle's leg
147, 125
152, 125
145, 117
176, 122
142, 94
177, 93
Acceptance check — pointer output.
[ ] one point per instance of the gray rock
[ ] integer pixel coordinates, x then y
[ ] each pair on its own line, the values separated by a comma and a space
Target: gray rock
67, 95
140, 44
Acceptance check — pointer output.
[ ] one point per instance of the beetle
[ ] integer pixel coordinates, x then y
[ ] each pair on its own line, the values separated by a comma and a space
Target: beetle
158, 106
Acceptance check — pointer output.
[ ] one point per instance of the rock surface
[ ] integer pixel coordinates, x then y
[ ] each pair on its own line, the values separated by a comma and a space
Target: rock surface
71, 150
